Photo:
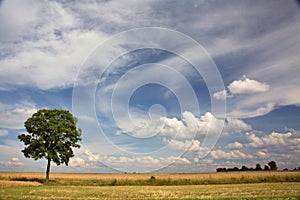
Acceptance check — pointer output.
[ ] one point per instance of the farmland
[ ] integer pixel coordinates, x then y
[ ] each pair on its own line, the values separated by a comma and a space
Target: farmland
235, 185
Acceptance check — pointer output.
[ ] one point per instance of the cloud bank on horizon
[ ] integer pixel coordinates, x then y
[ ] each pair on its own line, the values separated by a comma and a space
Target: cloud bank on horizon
44, 44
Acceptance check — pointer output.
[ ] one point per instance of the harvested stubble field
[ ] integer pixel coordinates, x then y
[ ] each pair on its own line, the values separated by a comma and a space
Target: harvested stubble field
233, 185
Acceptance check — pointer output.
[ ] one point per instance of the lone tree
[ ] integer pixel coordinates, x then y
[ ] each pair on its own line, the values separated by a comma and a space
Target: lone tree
51, 135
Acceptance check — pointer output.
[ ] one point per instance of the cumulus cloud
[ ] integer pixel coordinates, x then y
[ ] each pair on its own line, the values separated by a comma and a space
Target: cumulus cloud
12, 162
186, 128
222, 95
247, 86
124, 162
76, 162
261, 154
15, 118
189, 125
232, 155
145, 160
178, 160
274, 139
235, 145
236, 125
91, 156
186, 145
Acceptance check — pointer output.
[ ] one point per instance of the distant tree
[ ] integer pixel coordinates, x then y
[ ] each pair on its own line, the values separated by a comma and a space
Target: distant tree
235, 169
285, 169
221, 170
244, 168
51, 135
298, 168
266, 168
272, 165
258, 167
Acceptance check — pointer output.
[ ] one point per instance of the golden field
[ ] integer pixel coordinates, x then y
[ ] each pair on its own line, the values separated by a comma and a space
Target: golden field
171, 176
223, 185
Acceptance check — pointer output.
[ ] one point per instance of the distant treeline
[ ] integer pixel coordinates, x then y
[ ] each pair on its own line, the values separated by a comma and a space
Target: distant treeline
270, 166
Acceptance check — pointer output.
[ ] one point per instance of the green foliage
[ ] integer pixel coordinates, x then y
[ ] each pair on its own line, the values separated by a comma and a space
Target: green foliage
272, 165
258, 167
51, 135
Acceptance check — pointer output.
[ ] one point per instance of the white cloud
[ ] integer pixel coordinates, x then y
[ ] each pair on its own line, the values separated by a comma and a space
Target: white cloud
255, 141
195, 146
14, 24
274, 139
236, 125
235, 145
76, 162
262, 154
186, 145
142, 161
178, 160
187, 128
51, 45
53, 64
222, 95
264, 64
247, 86
3, 132
232, 155
246, 111
277, 138
190, 126
12, 162
15, 118
91, 156
131, 162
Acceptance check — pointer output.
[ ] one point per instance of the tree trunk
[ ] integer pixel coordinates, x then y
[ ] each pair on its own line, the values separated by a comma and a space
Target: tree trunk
48, 170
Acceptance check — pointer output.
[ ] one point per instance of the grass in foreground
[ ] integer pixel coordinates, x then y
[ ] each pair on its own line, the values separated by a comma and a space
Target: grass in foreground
224, 191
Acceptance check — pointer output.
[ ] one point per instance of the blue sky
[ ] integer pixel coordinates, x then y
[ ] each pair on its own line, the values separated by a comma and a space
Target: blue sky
168, 86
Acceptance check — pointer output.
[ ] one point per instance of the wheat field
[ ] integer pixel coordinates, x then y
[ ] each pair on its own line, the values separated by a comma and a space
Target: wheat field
145, 176
249, 175
274, 185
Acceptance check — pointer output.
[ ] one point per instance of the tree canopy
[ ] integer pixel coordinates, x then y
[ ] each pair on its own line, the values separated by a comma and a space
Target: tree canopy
271, 166
51, 134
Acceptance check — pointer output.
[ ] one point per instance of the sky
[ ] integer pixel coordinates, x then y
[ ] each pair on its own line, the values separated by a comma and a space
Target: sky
156, 86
